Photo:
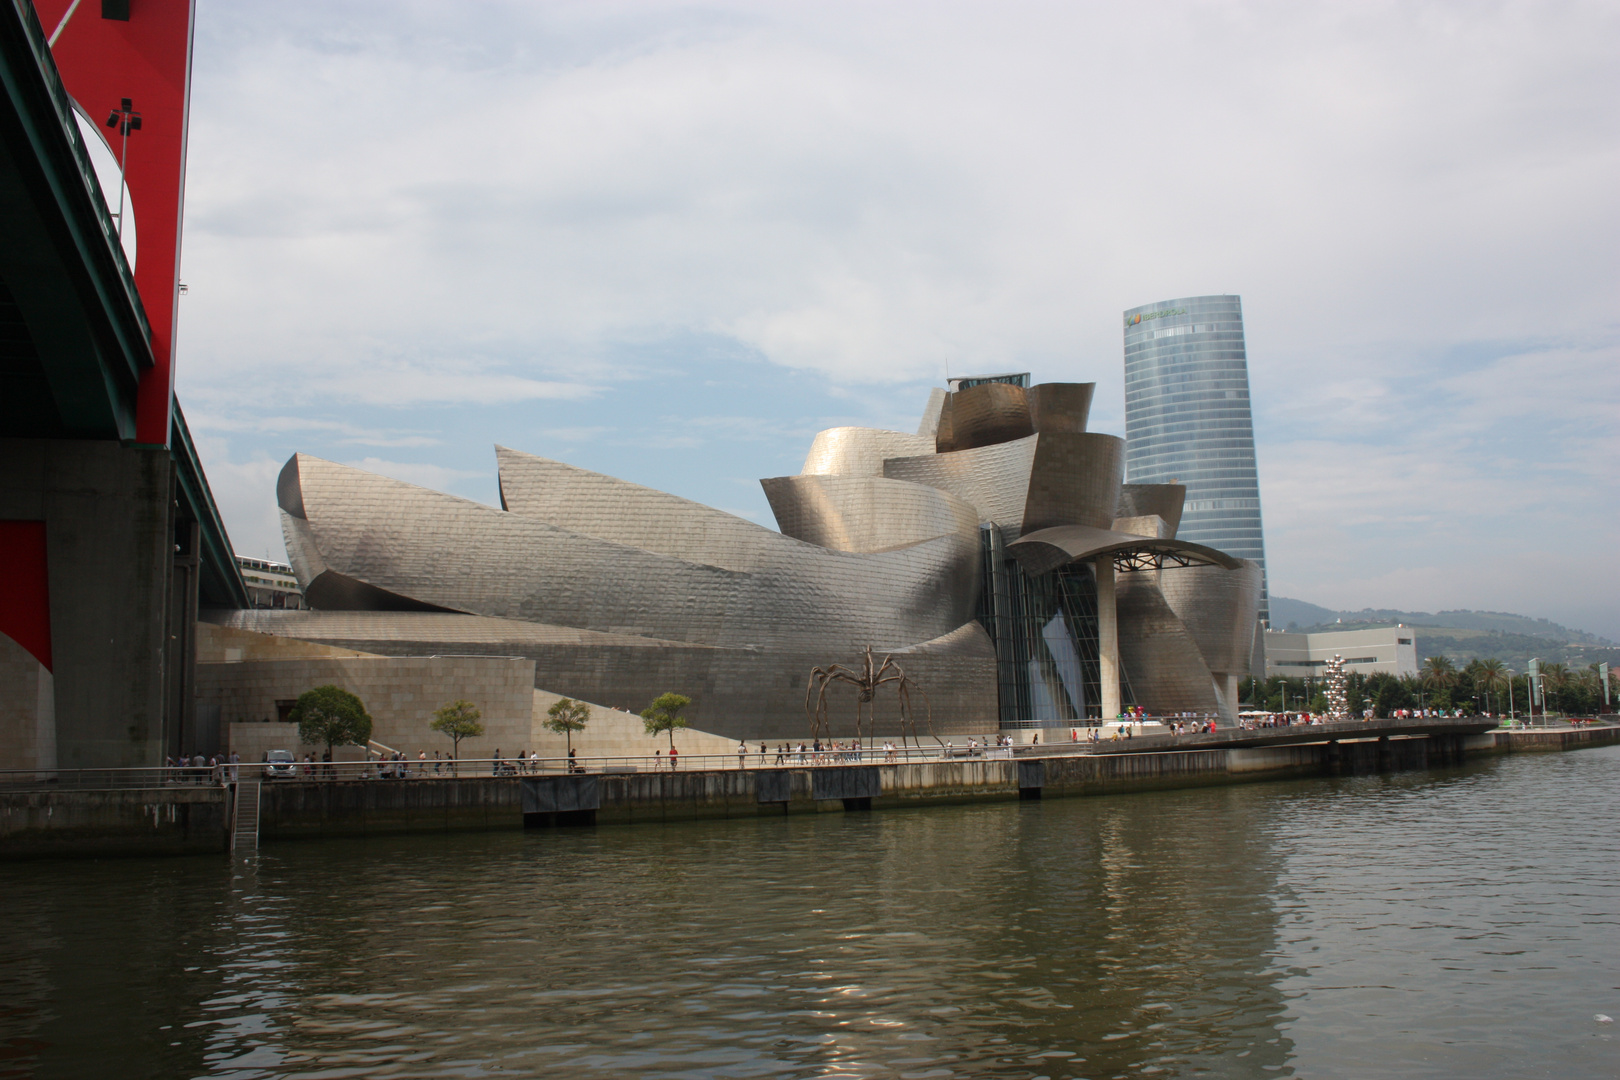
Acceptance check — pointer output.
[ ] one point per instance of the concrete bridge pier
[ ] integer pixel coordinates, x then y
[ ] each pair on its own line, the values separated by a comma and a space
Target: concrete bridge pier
1333, 760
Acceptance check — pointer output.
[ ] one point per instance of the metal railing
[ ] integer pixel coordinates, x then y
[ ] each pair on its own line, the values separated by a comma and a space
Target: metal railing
445, 768
198, 776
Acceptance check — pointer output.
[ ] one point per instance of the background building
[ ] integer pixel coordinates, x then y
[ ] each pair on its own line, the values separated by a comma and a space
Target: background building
1391, 649
1187, 419
271, 584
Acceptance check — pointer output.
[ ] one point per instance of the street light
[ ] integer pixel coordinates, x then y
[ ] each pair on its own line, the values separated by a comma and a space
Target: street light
126, 120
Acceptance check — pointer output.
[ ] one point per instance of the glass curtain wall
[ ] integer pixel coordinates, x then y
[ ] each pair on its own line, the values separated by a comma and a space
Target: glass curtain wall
1045, 633
1187, 419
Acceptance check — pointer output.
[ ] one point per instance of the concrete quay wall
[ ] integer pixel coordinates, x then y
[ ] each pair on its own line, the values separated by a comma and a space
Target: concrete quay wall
291, 809
1532, 741
122, 821
183, 819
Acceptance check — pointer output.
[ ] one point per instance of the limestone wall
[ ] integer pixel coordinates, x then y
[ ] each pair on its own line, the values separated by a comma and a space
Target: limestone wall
226, 645
616, 733
400, 693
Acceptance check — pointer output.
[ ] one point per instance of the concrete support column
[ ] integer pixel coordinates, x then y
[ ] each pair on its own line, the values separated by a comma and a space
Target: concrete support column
1107, 637
1229, 698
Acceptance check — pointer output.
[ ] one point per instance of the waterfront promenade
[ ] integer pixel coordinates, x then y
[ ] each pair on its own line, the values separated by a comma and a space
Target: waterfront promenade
154, 811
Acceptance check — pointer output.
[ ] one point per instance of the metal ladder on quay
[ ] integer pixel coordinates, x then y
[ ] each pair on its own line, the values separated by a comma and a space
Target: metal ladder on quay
245, 817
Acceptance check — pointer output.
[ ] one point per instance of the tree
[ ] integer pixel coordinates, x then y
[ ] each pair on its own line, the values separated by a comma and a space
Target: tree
1555, 679
331, 715
1387, 693
1355, 687
459, 720
1439, 673
1490, 677
664, 714
567, 717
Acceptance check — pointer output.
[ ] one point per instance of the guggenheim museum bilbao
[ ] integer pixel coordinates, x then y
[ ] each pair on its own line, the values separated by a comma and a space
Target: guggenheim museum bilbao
996, 554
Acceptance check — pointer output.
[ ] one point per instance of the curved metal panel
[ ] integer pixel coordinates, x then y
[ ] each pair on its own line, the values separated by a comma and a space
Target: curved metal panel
1060, 406
944, 440
1149, 525
858, 451
453, 553
1075, 480
1162, 500
302, 551
994, 480
1161, 661
866, 513
1219, 607
1049, 549
288, 495
343, 593
988, 414
928, 426
593, 504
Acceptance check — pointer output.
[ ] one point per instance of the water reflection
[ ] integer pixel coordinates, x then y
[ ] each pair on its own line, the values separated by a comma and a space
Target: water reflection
1176, 933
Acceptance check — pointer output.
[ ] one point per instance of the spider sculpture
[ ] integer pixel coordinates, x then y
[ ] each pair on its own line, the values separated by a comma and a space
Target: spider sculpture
866, 682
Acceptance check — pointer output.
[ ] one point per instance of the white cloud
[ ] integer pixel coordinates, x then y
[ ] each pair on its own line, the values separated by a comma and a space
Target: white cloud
245, 493
421, 474
347, 434
542, 202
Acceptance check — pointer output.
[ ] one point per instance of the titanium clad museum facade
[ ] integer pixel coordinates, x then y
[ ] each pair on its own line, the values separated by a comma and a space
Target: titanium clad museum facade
995, 553
1187, 419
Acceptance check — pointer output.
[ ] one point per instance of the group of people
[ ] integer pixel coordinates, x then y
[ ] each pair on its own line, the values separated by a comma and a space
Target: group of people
197, 769
1279, 720
813, 753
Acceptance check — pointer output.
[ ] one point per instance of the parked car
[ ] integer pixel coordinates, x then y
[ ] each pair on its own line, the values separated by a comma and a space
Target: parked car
280, 763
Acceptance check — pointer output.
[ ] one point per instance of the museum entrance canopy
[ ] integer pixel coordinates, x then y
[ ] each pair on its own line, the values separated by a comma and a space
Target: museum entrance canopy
1048, 549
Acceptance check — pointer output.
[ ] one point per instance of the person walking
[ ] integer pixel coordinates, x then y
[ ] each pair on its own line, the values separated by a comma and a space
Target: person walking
674, 755
742, 754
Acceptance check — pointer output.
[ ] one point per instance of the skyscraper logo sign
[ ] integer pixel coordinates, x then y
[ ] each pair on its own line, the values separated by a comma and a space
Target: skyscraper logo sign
1133, 320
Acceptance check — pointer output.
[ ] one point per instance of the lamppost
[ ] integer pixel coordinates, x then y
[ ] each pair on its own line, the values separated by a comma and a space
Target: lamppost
126, 120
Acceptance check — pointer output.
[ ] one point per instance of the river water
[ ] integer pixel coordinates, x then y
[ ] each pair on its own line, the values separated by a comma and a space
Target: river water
1447, 924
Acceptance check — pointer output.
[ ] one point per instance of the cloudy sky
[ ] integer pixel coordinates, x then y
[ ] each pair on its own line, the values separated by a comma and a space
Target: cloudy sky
670, 242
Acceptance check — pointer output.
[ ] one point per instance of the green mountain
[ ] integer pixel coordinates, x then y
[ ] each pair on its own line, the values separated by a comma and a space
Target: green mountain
1312, 616
1459, 635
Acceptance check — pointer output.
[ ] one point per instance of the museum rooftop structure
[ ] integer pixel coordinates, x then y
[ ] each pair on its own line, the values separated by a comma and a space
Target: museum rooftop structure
995, 554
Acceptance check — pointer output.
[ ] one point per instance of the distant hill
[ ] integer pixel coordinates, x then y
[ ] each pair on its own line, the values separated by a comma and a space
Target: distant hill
1514, 650
1288, 614
1459, 635
1307, 616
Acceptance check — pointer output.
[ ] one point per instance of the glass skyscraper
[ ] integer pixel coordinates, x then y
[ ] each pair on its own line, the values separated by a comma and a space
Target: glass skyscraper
1187, 419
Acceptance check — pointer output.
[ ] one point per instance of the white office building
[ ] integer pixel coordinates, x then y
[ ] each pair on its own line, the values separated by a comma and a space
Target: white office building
1391, 649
